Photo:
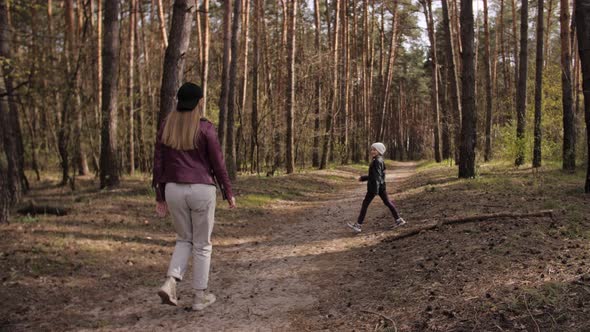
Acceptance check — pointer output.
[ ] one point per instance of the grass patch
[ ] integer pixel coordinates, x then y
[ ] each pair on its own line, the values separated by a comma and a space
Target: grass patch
255, 200
28, 219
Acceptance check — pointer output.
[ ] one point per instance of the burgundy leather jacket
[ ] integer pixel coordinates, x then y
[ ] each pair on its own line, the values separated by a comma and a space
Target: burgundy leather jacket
191, 166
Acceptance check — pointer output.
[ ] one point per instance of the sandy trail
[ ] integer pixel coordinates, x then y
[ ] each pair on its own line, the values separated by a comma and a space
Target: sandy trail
277, 276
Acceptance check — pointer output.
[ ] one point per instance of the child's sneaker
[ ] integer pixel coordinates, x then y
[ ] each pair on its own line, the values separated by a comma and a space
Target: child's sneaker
168, 292
399, 222
203, 300
355, 227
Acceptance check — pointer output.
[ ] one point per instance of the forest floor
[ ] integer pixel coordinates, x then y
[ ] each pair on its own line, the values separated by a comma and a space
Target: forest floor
285, 261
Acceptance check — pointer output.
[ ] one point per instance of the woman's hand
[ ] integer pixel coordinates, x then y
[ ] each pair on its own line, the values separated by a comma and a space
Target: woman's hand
232, 202
161, 209
360, 179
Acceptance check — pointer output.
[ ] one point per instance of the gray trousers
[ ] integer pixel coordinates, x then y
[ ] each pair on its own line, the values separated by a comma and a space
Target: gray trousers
193, 208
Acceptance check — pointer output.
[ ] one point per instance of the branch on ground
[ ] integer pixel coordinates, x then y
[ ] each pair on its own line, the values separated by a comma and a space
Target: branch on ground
464, 220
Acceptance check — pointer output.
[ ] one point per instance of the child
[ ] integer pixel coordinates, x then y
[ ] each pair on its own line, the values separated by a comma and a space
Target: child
376, 186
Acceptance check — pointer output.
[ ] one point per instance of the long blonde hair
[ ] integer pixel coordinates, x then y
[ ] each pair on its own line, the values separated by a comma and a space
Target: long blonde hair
181, 128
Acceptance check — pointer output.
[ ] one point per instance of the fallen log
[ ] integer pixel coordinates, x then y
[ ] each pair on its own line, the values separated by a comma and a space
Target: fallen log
32, 209
464, 220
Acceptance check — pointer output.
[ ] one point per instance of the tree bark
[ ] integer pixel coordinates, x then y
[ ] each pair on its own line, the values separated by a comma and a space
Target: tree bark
569, 132
225, 82
434, 102
130, 85
469, 114
230, 149
548, 31
10, 184
453, 79
256, 68
98, 68
515, 48
521, 92
162, 21
315, 158
205, 62
582, 13
17, 179
537, 153
241, 157
109, 165
488, 84
175, 56
290, 102
344, 84
332, 111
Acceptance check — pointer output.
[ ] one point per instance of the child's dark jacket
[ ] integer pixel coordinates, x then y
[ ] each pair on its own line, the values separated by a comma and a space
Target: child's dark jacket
376, 178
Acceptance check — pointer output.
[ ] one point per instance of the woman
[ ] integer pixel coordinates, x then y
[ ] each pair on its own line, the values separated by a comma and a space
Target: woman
187, 157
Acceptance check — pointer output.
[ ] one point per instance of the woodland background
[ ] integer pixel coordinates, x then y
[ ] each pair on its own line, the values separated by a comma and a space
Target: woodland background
290, 84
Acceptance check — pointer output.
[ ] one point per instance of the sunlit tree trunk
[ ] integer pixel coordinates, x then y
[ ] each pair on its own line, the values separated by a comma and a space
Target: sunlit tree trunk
290, 105
521, 92
330, 113
315, 159
174, 58
162, 21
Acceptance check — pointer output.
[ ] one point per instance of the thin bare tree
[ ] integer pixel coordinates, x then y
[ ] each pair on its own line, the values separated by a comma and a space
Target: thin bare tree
537, 153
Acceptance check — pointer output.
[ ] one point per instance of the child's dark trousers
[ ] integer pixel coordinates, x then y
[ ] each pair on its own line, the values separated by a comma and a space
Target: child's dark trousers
369, 197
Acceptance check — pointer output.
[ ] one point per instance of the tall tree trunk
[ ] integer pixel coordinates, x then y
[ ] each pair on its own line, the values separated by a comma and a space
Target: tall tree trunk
174, 58
331, 112
290, 102
488, 84
256, 68
6, 53
506, 72
434, 102
130, 84
344, 84
230, 149
453, 79
99, 21
11, 184
522, 84
241, 140
205, 62
569, 132
225, 80
141, 103
109, 165
538, 86
315, 158
515, 49
469, 115
582, 13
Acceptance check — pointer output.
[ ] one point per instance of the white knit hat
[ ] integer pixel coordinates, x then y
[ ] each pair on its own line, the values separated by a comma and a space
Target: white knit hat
380, 147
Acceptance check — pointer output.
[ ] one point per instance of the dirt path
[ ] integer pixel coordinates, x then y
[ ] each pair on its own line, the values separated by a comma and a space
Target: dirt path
279, 276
